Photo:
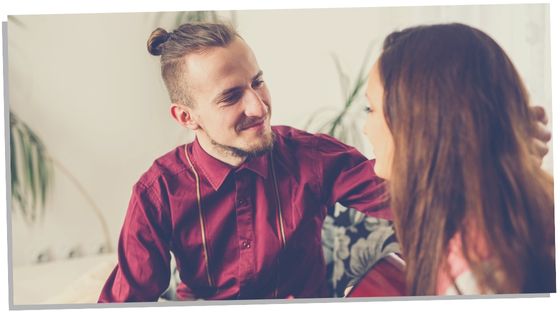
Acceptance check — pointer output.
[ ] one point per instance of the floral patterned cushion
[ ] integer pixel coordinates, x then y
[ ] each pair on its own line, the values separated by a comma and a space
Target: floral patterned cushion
352, 243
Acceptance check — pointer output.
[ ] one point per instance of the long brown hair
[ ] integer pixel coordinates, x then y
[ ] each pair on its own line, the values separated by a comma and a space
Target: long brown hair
459, 115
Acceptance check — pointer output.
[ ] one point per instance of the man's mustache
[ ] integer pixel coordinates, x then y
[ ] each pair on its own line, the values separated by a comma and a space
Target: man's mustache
249, 122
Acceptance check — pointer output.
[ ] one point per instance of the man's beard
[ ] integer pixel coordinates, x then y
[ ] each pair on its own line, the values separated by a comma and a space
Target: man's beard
262, 148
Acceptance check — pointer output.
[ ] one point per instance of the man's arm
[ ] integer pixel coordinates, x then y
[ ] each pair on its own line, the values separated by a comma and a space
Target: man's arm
142, 272
349, 179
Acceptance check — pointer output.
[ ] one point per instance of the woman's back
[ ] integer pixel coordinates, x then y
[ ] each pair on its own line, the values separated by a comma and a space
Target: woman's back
465, 191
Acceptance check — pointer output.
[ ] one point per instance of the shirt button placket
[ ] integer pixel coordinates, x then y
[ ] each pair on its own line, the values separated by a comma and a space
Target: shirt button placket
245, 229
246, 244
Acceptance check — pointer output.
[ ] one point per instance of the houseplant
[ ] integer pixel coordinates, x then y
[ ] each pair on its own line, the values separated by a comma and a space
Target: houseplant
352, 242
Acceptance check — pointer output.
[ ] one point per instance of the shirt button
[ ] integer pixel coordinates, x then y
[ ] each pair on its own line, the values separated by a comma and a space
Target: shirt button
242, 202
246, 244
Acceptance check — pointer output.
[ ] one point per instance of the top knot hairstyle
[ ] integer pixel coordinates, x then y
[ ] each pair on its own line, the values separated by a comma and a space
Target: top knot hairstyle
157, 40
174, 46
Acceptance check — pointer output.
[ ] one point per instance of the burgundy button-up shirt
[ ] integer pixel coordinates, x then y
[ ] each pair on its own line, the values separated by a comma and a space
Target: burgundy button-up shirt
257, 231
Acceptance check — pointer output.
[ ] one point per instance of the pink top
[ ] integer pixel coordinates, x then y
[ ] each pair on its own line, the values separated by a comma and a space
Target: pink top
460, 273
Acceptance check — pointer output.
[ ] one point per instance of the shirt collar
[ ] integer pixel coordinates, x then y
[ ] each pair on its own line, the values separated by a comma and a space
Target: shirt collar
217, 171
258, 164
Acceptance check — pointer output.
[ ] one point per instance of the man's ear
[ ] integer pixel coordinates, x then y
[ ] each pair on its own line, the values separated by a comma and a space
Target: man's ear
184, 116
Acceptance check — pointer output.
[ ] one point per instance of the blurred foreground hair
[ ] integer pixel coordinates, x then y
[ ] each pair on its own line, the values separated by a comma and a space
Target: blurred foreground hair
460, 119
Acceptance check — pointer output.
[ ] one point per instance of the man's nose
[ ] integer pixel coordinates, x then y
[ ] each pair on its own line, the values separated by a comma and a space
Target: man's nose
254, 105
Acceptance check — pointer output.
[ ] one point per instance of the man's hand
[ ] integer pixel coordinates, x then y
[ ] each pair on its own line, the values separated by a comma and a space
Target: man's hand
541, 135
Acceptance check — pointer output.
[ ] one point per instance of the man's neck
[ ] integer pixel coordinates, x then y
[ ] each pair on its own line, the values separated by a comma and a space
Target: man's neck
219, 153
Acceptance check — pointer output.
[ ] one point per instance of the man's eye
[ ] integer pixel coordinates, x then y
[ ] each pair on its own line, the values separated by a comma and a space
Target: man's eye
232, 99
258, 83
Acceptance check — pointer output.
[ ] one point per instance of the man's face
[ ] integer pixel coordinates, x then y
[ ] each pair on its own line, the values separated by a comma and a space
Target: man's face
231, 100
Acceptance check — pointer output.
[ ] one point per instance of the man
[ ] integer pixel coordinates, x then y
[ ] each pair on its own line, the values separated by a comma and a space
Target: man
242, 206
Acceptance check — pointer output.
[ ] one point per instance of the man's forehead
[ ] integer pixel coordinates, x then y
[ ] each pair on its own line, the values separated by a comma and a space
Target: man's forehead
221, 67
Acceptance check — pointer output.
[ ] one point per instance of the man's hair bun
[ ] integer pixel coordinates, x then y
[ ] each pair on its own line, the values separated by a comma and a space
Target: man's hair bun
156, 41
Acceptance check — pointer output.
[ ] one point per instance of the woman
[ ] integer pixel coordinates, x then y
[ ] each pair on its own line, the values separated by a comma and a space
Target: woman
449, 123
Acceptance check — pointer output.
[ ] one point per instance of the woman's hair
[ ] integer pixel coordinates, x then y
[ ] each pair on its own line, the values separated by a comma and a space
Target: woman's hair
459, 116
174, 46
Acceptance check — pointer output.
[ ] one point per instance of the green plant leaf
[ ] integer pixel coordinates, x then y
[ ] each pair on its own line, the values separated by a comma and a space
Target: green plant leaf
343, 79
31, 170
351, 95
14, 176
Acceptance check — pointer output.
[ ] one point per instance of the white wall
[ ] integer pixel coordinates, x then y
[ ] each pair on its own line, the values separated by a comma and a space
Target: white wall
88, 87
294, 48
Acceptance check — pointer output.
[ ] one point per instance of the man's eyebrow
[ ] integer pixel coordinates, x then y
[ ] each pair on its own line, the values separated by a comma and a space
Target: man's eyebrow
258, 75
234, 89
